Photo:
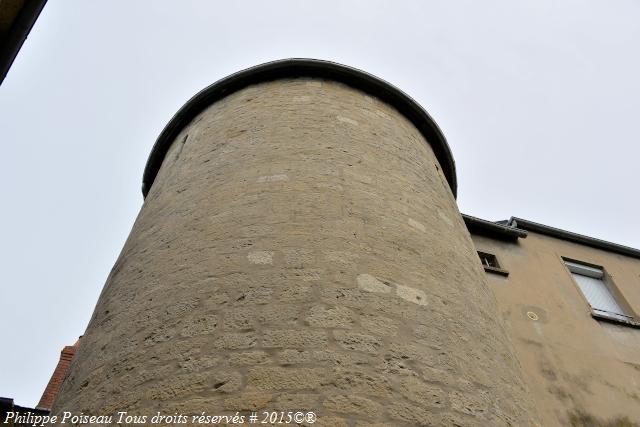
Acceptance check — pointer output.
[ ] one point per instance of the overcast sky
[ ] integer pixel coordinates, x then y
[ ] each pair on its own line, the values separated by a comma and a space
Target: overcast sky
539, 100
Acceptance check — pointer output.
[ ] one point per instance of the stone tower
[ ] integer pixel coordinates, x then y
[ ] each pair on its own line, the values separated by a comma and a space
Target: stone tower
300, 249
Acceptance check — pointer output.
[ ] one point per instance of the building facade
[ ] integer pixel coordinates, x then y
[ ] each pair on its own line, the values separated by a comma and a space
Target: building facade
570, 304
300, 249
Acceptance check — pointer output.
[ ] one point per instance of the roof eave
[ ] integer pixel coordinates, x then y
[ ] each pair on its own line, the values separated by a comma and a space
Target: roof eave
574, 237
20, 29
491, 229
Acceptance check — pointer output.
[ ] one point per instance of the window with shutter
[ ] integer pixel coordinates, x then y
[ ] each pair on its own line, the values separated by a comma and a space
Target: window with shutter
591, 282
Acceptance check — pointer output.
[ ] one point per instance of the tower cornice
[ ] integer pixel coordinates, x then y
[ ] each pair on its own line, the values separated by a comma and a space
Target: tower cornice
292, 68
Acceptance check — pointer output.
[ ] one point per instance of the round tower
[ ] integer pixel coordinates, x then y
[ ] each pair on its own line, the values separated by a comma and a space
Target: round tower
299, 249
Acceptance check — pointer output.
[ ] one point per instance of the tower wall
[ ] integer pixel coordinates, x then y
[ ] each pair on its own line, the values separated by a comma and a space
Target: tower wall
299, 249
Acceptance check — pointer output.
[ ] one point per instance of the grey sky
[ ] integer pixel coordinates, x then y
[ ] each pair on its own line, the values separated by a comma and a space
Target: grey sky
539, 100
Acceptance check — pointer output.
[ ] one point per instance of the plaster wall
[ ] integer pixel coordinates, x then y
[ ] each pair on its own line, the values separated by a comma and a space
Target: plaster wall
574, 364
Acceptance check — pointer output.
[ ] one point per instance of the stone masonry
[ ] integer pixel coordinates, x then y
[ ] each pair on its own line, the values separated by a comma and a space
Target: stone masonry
300, 249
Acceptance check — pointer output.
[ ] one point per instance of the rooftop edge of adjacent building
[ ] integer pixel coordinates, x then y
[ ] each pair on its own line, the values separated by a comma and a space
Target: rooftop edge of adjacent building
515, 228
294, 68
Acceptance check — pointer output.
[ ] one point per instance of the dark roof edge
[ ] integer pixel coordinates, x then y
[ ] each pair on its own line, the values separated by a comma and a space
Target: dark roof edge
574, 237
20, 29
492, 229
288, 68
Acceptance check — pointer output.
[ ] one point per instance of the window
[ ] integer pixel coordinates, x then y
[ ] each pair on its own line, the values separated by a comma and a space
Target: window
490, 263
592, 283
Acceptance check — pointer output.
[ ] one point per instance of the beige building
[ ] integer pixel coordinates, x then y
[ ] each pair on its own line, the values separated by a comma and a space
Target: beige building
570, 304
300, 249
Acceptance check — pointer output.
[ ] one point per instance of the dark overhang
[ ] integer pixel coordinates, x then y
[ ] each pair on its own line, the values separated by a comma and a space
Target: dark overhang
16, 19
7, 406
492, 229
291, 68
573, 237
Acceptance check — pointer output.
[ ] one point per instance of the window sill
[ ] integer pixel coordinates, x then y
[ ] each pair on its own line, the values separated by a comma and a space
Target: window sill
613, 319
496, 270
